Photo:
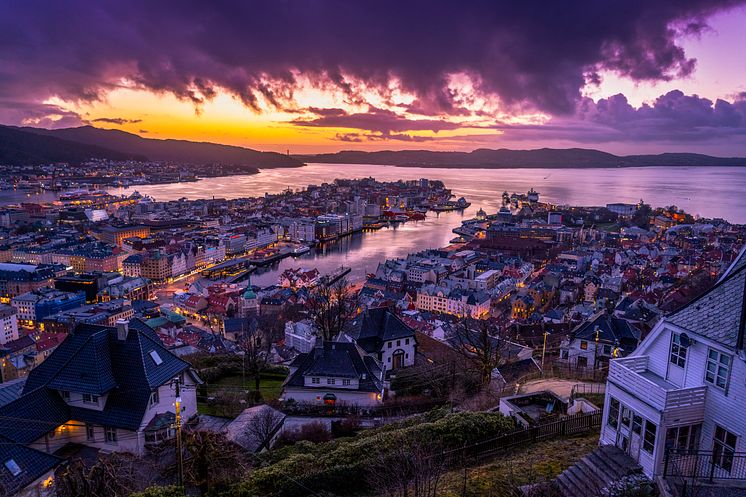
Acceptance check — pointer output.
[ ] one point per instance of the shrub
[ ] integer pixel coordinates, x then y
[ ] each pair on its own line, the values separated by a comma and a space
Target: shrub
171, 491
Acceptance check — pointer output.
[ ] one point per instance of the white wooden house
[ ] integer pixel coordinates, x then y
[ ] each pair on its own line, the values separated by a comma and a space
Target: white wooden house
677, 403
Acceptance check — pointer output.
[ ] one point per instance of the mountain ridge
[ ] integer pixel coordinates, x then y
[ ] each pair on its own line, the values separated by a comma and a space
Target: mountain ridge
484, 158
170, 150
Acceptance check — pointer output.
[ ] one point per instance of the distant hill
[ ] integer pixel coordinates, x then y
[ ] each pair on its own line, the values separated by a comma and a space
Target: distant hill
505, 158
169, 150
21, 147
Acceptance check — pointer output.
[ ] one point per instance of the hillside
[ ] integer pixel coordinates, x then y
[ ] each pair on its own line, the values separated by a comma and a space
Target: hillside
20, 147
504, 158
170, 150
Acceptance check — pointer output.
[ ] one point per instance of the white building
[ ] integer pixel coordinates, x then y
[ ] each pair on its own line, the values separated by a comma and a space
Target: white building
8, 324
300, 335
676, 404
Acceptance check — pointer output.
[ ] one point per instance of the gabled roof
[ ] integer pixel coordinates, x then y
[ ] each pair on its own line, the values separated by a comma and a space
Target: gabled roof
375, 326
719, 313
338, 359
611, 329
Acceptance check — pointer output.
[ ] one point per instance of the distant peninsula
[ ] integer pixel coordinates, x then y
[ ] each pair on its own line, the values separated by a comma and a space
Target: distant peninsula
504, 159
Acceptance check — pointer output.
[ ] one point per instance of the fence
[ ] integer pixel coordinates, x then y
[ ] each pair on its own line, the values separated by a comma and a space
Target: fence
571, 425
689, 468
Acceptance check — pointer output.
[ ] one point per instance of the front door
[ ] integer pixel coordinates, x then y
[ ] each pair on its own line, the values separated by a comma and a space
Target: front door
624, 434
635, 437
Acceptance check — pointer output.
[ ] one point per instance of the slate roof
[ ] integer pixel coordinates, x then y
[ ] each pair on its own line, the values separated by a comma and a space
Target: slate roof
92, 360
337, 359
611, 330
11, 390
375, 326
32, 463
719, 313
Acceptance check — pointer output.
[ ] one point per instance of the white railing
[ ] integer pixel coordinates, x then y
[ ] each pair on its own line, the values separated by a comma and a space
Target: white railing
626, 373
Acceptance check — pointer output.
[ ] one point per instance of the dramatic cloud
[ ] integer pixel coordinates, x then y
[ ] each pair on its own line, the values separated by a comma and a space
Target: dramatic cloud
520, 52
378, 120
116, 120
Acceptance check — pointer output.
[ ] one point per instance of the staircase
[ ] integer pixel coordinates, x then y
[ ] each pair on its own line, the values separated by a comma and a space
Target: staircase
595, 471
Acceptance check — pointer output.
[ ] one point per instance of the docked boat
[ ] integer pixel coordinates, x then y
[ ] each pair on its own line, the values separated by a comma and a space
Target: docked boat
301, 250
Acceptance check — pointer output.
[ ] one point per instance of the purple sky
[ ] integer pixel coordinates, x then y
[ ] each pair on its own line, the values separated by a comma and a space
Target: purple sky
624, 76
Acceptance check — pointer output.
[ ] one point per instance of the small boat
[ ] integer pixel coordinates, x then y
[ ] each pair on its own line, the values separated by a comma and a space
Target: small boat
301, 250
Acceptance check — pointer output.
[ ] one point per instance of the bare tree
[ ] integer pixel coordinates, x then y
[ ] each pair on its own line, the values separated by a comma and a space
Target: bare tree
331, 307
409, 470
481, 342
255, 349
264, 427
114, 475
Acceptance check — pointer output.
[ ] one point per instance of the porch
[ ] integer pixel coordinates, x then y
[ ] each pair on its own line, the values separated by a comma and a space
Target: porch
696, 473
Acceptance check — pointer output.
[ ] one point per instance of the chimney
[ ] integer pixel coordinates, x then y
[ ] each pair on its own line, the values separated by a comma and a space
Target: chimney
123, 328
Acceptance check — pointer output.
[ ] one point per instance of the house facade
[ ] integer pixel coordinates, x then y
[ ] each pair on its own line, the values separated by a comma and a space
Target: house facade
382, 334
109, 388
676, 403
335, 373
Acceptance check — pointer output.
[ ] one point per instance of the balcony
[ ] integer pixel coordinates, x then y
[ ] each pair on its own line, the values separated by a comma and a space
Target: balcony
680, 405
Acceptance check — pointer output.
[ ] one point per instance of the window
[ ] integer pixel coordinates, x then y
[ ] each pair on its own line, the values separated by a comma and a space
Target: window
583, 345
90, 432
315, 381
331, 381
154, 398
398, 343
111, 435
65, 394
718, 365
156, 358
391, 344
683, 437
648, 440
607, 350
90, 399
12, 466
406, 341
637, 424
626, 416
613, 418
724, 448
678, 352
346, 383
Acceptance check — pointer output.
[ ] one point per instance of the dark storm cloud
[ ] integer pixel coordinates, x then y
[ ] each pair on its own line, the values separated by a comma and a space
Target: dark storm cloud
532, 53
116, 120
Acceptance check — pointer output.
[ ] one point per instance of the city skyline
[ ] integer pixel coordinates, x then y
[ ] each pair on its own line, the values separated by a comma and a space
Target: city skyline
321, 77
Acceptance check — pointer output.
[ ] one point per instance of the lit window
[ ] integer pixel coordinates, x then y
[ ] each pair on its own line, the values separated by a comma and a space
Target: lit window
583, 345
678, 352
648, 441
718, 365
724, 448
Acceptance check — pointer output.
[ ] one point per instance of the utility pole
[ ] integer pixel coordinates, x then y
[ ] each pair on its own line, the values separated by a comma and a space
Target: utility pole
179, 452
544, 351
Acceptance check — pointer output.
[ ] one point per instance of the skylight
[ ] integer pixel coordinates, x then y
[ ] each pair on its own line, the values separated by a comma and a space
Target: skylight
156, 358
13, 467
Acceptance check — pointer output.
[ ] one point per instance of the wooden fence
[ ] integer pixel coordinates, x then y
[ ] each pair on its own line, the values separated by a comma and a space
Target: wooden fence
571, 425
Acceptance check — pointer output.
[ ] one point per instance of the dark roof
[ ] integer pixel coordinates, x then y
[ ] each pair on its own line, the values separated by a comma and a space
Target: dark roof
719, 313
338, 359
373, 327
611, 330
33, 464
93, 360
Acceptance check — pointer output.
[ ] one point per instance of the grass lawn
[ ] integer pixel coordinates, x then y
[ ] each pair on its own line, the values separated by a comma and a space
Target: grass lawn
529, 464
270, 385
